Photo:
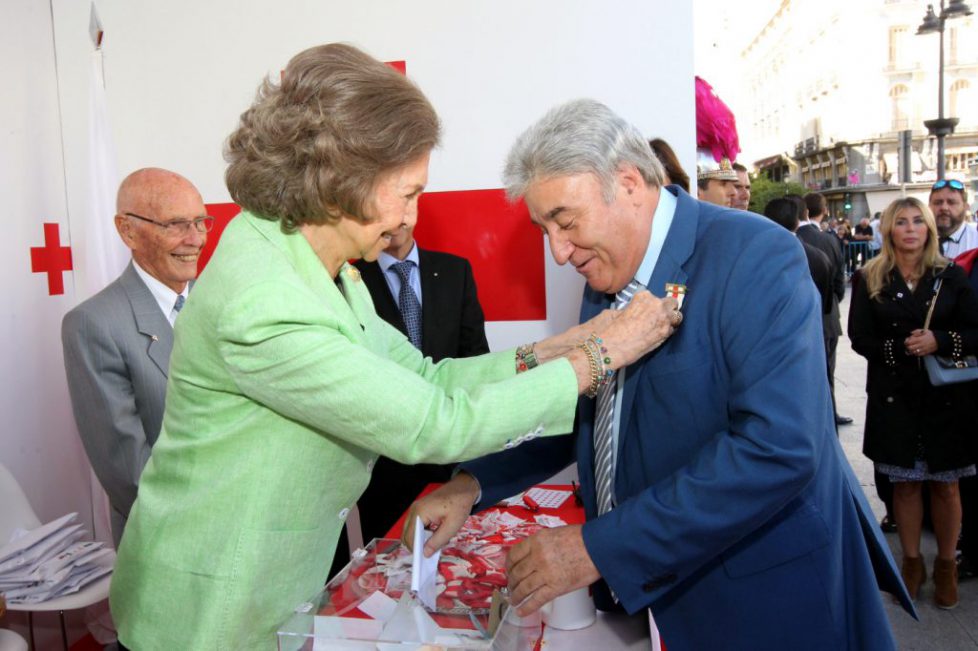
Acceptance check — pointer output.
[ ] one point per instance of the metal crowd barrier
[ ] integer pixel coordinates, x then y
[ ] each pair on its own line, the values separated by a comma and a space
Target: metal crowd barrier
858, 254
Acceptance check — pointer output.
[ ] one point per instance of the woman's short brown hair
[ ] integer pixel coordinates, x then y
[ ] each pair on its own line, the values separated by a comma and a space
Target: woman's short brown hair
311, 148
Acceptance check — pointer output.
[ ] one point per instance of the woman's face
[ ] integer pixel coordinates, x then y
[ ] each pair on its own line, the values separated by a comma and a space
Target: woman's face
392, 206
909, 234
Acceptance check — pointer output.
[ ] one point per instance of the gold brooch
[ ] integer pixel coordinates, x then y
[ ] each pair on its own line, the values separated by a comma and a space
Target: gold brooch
353, 273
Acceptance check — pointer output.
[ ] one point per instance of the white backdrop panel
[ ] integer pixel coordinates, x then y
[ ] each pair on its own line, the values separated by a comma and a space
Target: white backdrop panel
179, 73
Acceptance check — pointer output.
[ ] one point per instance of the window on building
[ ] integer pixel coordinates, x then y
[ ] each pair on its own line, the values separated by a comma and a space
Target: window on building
898, 45
900, 101
960, 98
961, 162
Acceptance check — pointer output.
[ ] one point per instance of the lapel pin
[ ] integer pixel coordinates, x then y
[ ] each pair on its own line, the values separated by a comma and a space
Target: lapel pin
676, 291
154, 338
353, 273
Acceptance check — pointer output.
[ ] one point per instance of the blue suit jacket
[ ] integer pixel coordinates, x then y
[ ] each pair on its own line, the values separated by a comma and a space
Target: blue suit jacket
739, 521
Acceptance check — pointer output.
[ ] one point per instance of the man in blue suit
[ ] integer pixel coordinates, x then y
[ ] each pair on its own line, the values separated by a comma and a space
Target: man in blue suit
734, 515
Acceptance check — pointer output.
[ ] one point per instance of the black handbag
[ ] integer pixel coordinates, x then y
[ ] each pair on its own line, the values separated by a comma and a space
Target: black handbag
943, 370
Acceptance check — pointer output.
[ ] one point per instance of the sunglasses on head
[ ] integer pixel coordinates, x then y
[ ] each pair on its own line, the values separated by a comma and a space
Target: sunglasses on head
954, 184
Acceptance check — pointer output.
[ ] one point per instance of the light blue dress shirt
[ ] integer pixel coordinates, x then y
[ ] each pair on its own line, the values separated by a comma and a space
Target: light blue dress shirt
386, 261
665, 210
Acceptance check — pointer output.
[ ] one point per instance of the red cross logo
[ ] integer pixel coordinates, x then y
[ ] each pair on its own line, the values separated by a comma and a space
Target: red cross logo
52, 259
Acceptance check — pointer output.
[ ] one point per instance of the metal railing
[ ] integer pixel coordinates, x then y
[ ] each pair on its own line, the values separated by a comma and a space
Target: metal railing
857, 254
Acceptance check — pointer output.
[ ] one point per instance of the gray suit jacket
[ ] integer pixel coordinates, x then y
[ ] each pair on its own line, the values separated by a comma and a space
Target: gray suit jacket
117, 351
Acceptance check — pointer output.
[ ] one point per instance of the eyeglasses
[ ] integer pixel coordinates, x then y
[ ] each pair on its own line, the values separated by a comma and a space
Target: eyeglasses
954, 184
180, 227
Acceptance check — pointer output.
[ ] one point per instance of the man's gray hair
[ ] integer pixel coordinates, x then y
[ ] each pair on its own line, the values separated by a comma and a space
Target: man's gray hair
579, 137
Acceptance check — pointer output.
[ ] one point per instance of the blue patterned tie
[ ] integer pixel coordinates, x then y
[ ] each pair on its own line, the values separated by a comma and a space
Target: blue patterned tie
408, 302
178, 305
604, 422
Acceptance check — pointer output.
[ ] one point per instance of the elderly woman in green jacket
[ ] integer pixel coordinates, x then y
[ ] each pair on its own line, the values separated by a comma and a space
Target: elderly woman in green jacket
285, 385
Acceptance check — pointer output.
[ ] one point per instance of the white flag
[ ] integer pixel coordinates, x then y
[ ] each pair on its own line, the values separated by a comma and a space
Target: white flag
99, 253
100, 256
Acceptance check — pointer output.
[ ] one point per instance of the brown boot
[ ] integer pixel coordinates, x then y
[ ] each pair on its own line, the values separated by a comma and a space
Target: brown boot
914, 574
945, 583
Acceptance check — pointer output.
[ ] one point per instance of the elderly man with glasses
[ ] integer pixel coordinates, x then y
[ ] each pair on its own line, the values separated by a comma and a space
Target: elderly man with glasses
949, 203
117, 343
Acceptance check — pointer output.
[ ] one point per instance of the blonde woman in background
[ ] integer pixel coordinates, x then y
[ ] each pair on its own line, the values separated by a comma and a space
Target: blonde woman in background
916, 432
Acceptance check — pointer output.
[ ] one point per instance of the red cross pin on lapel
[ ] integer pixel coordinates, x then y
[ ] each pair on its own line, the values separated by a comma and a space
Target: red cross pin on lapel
676, 291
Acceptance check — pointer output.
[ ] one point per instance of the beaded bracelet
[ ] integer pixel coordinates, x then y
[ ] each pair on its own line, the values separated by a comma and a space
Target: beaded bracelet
526, 358
605, 372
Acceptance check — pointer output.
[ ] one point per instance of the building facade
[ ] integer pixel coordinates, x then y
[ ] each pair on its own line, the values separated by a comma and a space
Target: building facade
839, 94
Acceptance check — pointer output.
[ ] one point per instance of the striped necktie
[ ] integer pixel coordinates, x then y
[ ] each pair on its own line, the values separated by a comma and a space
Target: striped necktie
604, 422
408, 302
178, 305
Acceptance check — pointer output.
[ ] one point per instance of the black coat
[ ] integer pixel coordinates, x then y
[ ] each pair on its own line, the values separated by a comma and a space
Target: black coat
828, 244
452, 325
906, 417
821, 270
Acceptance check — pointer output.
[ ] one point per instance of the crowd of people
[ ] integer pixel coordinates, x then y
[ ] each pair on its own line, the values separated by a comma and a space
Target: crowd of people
915, 294
316, 351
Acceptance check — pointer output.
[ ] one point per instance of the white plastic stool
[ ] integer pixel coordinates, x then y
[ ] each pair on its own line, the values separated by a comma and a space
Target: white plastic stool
10, 641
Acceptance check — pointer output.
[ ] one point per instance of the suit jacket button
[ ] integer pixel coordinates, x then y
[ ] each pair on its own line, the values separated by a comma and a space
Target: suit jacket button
658, 582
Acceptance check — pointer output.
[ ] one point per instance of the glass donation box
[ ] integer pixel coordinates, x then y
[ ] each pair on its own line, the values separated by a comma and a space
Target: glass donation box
370, 605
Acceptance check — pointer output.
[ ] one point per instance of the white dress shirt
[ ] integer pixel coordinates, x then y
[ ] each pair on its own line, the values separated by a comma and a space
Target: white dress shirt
961, 240
165, 297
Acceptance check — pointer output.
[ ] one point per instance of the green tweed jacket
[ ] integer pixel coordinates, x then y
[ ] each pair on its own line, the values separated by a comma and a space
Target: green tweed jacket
284, 388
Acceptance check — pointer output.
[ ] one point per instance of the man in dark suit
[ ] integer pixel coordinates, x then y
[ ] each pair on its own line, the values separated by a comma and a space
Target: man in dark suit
810, 232
724, 502
446, 321
784, 211
117, 343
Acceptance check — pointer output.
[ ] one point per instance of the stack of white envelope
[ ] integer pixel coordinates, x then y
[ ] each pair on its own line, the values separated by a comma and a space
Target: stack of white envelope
51, 561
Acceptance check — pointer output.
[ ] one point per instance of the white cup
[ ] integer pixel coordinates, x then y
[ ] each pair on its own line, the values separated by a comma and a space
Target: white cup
530, 620
571, 611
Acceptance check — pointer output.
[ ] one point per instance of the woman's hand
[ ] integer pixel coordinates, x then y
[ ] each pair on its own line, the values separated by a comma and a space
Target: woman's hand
565, 343
920, 343
640, 328
443, 511
626, 335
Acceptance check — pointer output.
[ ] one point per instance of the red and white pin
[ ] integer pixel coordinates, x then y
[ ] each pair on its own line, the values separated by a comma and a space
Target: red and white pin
676, 291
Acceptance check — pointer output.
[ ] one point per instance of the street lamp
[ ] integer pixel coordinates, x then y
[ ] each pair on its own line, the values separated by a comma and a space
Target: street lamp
942, 126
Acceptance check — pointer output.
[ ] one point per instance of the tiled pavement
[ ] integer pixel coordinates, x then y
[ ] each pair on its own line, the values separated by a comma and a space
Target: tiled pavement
937, 630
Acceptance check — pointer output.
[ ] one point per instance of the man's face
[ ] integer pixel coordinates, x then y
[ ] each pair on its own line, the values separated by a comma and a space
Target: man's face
605, 242
949, 210
402, 241
742, 189
721, 193
165, 253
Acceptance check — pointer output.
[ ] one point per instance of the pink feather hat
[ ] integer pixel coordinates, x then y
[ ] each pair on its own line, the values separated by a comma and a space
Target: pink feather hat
717, 143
